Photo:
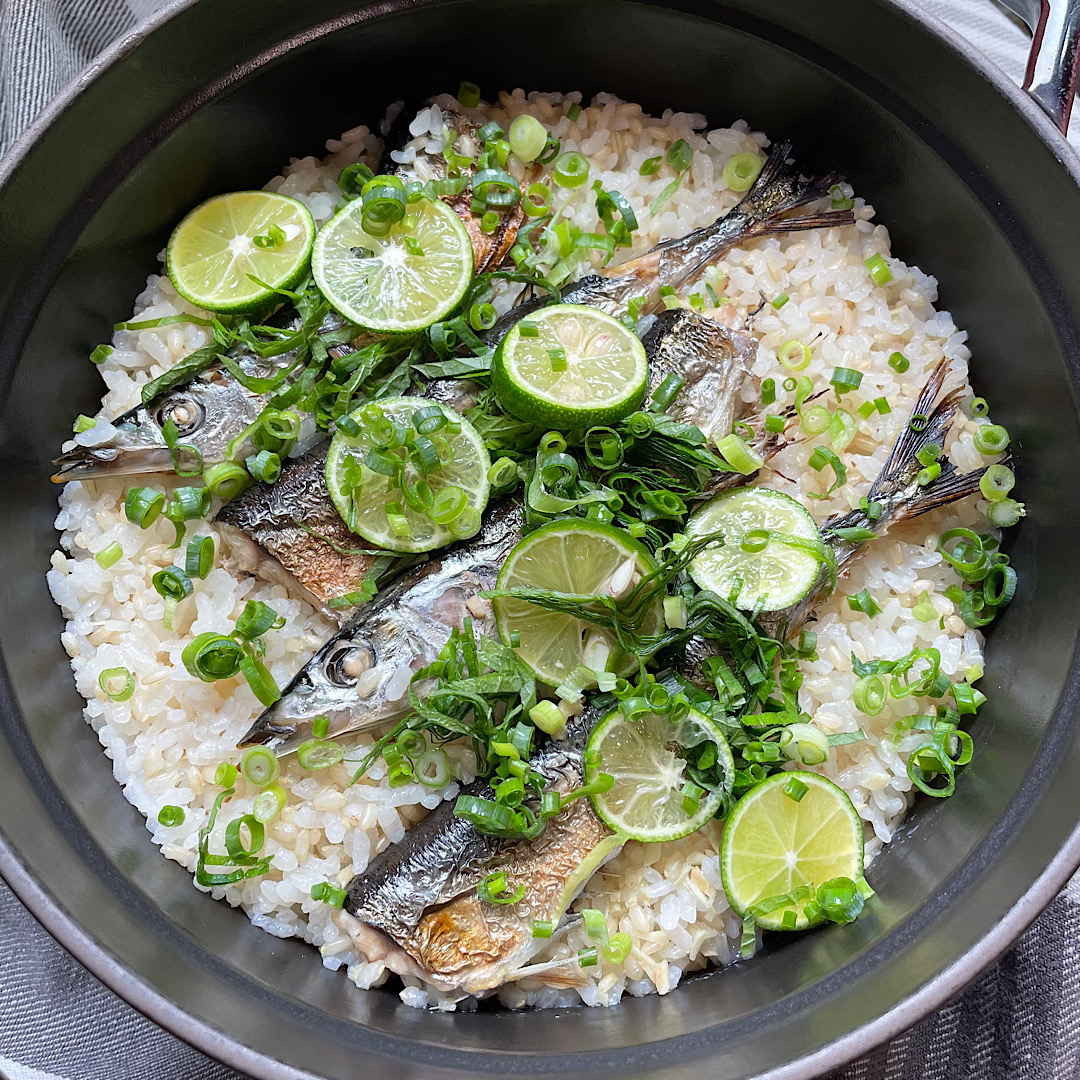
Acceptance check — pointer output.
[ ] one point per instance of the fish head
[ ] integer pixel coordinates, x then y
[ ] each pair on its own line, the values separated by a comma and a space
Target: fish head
208, 412
130, 445
352, 681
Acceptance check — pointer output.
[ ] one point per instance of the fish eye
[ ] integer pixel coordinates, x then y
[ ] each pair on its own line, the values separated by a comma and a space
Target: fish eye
184, 411
347, 662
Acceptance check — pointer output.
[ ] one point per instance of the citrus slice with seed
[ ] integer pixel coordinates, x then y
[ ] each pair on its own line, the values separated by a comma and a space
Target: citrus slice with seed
410, 278
217, 252
569, 366
647, 759
583, 558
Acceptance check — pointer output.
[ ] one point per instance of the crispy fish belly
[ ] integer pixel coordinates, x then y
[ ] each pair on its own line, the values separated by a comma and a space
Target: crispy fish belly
262, 534
360, 678
417, 906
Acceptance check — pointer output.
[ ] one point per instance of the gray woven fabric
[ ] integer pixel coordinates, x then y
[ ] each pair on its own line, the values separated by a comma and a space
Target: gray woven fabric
1020, 1021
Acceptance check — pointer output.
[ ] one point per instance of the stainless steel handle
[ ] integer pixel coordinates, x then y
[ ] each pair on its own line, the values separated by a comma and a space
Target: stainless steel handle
1054, 59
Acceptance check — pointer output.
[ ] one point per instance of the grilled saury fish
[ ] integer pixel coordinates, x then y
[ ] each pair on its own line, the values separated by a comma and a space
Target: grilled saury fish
416, 904
409, 622
898, 494
360, 677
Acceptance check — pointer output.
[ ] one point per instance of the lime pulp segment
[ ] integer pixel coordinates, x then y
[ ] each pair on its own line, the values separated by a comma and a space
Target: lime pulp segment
568, 366
581, 558
648, 760
365, 508
215, 253
773, 844
779, 572
408, 279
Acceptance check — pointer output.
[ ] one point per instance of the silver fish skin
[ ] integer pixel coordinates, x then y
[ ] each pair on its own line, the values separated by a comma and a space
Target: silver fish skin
395, 635
901, 497
209, 411
261, 530
416, 904
713, 362
777, 190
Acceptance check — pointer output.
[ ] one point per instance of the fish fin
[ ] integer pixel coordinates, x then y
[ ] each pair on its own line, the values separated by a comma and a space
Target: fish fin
826, 220
779, 187
913, 438
928, 423
950, 486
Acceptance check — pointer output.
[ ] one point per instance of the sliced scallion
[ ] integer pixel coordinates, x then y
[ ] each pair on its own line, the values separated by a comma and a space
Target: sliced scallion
527, 137
171, 816
268, 803
109, 555
331, 895
864, 602
117, 683
260, 766
199, 559
879, 269
990, 439
739, 454
319, 754
143, 505
1005, 513
794, 355
742, 170
571, 170
226, 479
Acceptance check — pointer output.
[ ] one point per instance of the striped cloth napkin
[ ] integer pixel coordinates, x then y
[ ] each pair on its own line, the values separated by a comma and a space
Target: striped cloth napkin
1020, 1021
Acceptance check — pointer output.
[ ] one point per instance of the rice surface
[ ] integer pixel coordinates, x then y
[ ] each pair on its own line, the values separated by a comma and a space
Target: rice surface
166, 741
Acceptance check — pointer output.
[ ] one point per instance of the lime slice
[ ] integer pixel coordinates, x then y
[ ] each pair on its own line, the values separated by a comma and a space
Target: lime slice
214, 253
646, 802
780, 573
367, 510
571, 556
773, 843
579, 368
412, 277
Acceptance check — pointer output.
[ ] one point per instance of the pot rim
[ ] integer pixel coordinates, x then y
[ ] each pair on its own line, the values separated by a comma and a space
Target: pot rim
157, 1007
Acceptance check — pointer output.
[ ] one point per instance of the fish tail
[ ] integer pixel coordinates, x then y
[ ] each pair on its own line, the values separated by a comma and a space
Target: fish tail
951, 486
928, 424
779, 188
826, 220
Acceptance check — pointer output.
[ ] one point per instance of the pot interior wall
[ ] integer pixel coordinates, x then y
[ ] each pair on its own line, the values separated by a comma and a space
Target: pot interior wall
93, 235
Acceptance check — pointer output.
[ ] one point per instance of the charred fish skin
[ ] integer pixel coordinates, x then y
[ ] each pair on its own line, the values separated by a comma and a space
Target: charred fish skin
360, 678
421, 892
209, 411
261, 535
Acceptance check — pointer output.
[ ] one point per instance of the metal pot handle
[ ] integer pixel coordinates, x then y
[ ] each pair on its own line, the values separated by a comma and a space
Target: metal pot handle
1054, 59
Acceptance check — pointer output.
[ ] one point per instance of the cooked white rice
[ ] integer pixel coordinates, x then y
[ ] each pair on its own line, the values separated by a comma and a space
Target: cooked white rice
167, 740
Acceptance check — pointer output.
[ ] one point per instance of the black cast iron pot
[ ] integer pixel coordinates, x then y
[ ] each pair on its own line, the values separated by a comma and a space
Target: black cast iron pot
976, 185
